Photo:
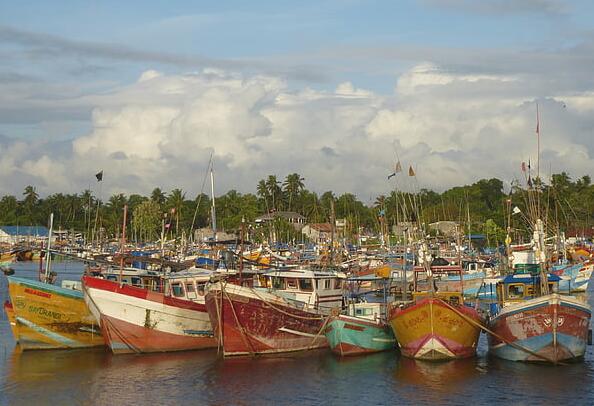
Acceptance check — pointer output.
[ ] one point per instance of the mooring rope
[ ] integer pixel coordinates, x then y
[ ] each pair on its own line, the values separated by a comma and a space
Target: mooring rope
494, 334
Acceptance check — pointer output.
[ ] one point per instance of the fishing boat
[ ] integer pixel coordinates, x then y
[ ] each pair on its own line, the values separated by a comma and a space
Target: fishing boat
287, 312
47, 316
169, 316
362, 330
436, 325
529, 326
50, 317
531, 320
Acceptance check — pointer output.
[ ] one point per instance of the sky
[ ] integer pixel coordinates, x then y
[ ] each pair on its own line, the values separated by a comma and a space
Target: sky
337, 91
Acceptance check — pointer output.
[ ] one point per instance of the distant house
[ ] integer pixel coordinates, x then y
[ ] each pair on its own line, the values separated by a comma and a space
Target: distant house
447, 228
17, 234
292, 217
317, 232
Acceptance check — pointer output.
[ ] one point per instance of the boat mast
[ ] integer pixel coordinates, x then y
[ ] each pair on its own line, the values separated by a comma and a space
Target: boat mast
123, 243
405, 285
48, 259
213, 212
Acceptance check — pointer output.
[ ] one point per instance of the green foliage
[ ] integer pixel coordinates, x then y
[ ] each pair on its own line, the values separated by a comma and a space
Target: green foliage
146, 220
569, 204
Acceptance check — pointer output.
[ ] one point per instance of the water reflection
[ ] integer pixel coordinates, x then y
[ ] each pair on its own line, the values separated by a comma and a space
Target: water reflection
445, 376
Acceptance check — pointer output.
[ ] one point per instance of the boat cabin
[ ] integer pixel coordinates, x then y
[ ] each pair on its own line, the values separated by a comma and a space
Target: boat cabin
188, 285
367, 310
320, 289
520, 287
139, 278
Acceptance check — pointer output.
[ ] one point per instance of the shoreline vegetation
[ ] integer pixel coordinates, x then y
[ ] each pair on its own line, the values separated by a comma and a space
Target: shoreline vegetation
481, 206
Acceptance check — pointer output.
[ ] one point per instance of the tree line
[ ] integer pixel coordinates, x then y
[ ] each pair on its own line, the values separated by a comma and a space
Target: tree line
482, 206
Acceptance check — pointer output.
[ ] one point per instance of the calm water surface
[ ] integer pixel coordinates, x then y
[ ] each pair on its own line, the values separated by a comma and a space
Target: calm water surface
97, 377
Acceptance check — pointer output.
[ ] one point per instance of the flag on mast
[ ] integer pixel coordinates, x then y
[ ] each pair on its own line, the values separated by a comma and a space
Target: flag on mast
397, 169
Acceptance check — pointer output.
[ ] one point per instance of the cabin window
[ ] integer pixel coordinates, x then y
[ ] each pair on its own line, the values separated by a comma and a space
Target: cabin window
201, 288
292, 284
190, 291
112, 278
177, 289
306, 285
278, 283
337, 284
136, 281
515, 291
363, 312
327, 284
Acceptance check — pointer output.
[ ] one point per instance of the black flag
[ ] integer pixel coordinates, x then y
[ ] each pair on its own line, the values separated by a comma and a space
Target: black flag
99, 176
389, 176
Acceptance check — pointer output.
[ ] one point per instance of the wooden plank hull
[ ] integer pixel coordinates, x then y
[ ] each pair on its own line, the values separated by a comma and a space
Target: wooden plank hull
553, 326
136, 320
348, 335
51, 317
429, 329
251, 323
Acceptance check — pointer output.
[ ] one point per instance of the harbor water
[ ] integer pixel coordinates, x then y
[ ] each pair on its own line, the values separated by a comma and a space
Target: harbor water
96, 377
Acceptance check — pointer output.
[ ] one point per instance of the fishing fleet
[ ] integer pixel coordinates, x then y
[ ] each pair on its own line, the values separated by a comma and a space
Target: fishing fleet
414, 297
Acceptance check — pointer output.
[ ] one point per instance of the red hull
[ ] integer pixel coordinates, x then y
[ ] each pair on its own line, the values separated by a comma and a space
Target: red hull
126, 338
250, 326
555, 331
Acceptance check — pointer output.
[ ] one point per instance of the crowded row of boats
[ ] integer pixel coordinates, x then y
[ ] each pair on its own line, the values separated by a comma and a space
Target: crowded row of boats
426, 302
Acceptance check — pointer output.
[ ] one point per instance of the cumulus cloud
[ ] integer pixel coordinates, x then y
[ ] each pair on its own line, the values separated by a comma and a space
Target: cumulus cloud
453, 127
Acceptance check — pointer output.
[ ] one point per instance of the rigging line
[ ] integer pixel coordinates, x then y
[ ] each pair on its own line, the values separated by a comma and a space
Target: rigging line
201, 193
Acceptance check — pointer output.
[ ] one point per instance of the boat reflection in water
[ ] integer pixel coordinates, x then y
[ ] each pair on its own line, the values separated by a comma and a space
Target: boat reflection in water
95, 376
438, 376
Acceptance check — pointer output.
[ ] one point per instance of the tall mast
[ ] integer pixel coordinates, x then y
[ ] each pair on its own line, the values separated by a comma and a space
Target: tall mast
48, 258
213, 212
537, 143
123, 243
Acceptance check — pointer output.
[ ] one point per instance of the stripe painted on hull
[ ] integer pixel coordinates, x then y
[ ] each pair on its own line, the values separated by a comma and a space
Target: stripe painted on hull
569, 347
51, 317
65, 341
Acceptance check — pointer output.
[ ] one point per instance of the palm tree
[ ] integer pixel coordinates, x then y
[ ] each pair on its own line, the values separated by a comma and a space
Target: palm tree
30, 200
115, 206
176, 201
274, 190
158, 196
262, 192
292, 185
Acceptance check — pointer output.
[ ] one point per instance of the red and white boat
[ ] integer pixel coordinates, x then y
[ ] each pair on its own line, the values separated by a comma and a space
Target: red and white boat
288, 313
137, 320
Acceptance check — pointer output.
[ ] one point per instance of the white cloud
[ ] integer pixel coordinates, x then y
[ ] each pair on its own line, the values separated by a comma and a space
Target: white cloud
454, 128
